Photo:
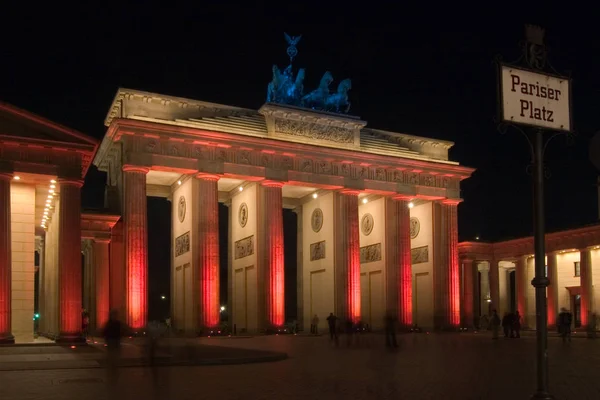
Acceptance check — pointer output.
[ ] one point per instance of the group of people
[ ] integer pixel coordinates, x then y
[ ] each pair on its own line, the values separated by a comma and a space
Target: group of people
349, 328
511, 324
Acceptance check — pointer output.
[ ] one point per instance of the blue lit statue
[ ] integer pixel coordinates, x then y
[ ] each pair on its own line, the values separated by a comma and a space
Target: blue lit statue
284, 89
338, 102
317, 98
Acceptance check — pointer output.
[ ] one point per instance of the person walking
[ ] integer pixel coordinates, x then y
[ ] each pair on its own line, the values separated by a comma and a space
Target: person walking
332, 322
516, 324
506, 324
390, 331
113, 330
314, 327
564, 320
495, 324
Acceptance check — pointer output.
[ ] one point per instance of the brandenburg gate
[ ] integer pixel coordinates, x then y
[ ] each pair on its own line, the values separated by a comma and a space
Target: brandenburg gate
377, 214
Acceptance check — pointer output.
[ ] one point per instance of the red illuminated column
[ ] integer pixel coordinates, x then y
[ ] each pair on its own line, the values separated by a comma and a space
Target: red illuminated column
495, 286
446, 275
399, 262
272, 213
206, 212
468, 300
136, 246
5, 260
69, 261
585, 265
102, 279
450, 208
552, 290
347, 256
521, 283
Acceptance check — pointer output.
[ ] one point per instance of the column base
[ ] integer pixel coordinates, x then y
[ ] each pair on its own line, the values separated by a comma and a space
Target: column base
69, 338
8, 339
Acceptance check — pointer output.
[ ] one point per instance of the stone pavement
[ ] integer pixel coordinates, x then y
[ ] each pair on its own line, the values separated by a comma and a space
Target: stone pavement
444, 366
133, 354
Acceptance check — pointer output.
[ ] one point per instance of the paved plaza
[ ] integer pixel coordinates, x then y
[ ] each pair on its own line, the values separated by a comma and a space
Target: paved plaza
436, 366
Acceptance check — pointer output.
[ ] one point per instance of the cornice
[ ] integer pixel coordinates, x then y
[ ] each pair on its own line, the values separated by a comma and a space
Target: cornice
120, 127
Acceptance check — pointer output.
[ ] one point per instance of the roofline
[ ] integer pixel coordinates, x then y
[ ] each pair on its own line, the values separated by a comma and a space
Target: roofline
56, 126
121, 91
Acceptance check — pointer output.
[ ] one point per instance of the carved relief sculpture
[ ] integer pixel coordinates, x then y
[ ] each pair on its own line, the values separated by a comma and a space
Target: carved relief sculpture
370, 253
181, 208
244, 247
415, 227
317, 251
182, 244
316, 220
243, 214
420, 255
366, 224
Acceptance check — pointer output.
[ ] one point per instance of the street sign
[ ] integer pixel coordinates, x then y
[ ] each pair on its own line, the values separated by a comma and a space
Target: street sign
535, 99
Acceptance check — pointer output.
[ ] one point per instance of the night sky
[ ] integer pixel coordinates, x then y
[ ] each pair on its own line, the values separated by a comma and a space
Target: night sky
411, 72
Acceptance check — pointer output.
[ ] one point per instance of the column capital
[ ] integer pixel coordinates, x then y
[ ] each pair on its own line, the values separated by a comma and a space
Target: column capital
71, 182
135, 168
207, 177
402, 197
451, 202
270, 183
350, 192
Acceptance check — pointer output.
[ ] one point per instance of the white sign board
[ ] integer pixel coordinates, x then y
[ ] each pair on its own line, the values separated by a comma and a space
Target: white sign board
535, 99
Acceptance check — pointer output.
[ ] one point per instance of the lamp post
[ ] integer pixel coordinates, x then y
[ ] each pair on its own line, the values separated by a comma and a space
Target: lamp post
534, 102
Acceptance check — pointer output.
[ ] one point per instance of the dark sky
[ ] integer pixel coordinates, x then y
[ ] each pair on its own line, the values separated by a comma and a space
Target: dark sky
411, 72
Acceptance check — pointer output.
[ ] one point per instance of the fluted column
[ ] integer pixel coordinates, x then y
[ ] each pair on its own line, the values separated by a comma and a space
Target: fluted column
468, 300
69, 261
136, 246
446, 274
521, 283
299, 269
398, 261
102, 281
206, 255
484, 284
117, 269
5, 260
552, 289
347, 256
494, 276
271, 210
587, 301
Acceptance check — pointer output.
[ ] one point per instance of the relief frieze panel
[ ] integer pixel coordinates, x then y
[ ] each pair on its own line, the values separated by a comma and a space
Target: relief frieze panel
419, 255
258, 157
244, 247
370, 253
182, 244
329, 133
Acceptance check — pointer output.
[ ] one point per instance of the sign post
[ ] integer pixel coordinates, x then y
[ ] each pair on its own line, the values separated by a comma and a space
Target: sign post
534, 102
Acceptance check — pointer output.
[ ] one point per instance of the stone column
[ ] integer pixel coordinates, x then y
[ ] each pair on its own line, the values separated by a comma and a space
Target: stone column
41, 288
587, 300
347, 256
136, 246
271, 254
398, 261
299, 269
117, 269
552, 289
446, 276
484, 285
102, 282
230, 267
521, 283
206, 255
494, 275
468, 300
5, 260
69, 261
